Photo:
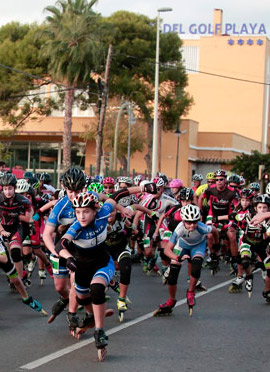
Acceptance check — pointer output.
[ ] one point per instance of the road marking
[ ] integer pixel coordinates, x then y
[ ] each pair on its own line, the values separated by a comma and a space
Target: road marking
48, 358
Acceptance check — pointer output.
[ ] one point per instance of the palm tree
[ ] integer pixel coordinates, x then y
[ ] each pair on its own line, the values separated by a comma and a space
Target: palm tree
72, 52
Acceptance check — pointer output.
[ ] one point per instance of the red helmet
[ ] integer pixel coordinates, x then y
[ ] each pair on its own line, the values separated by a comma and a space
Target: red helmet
84, 199
108, 180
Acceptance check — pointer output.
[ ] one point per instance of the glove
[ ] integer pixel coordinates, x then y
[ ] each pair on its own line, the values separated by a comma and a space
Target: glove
150, 188
71, 264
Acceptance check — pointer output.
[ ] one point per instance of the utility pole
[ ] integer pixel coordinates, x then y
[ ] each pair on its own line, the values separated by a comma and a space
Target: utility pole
101, 122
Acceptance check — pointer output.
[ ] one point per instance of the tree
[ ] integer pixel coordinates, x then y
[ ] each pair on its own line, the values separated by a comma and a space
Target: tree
19, 65
133, 68
72, 52
248, 165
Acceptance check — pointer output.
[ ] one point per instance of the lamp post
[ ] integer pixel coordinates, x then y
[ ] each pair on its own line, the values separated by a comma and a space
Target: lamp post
178, 134
155, 123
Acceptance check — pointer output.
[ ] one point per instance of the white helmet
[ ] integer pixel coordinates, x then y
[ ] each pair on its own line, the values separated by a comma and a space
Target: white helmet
190, 212
126, 180
267, 190
22, 186
159, 181
61, 193
197, 177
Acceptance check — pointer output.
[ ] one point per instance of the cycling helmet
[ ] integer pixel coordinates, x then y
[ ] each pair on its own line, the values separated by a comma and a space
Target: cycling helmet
262, 198
190, 212
108, 180
197, 177
210, 176
186, 194
246, 193
234, 178
8, 179
267, 189
96, 187
22, 186
255, 186
164, 177
74, 179
138, 179
220, 173
126, 180
45, 177
176, 183
83, 200
242, 181
144, 182
159, 181
28, 175
34, 182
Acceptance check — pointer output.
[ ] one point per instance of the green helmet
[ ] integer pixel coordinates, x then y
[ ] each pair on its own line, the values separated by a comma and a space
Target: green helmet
96, 187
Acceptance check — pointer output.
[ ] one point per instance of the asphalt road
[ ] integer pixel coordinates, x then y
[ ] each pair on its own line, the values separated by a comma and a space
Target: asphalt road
227, 332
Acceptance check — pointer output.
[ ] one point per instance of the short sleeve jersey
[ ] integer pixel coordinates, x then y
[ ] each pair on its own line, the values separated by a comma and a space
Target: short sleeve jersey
9, 212
62, 214
188, 239
221, 202
159, 205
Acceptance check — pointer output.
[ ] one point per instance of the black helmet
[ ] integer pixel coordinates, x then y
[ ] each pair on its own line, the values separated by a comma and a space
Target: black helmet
74, 179
186, 194
8, 179
45, 177
234, 178
28, 175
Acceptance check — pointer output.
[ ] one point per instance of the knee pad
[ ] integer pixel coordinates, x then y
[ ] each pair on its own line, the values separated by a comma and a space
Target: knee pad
97, 292
174, 273
196, 266
245, 262
84, 301
27, 257
125, 270
16, 254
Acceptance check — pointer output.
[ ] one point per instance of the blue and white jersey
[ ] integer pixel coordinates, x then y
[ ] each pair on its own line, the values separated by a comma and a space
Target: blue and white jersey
188, 239
62, 214
93, 236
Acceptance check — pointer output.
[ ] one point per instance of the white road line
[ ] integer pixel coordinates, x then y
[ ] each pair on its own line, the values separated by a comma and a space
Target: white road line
48, 358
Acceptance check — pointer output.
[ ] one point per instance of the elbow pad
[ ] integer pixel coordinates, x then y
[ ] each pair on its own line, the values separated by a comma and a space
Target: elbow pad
63, 244
120, 194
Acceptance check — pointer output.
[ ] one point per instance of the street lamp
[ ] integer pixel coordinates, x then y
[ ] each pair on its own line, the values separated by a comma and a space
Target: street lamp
155, 123
178, 134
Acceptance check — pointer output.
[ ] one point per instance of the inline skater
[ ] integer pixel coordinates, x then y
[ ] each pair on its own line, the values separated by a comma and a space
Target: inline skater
210, 180
197, 179
108, 184
176, 186
14, 210
188, 241
255, 187
83, 246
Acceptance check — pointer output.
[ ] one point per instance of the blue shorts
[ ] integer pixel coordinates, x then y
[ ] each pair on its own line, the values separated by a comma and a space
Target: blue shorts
195, 250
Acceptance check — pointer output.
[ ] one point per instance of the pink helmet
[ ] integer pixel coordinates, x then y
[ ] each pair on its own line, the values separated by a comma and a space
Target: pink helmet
108, 180
176, 183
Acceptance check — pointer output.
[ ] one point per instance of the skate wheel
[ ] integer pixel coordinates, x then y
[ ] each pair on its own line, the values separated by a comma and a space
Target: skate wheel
41, 281
102, 354
190, 311
249, 295
121, 316
109, 312
51, 318
43, 312
156, 312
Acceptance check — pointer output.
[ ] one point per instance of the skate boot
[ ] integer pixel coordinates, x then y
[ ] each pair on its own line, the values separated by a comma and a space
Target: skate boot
207, 262
35, 305
50, 270
87, 322
101, 340
214, 264
145, 266
234, 269
27, 282
31, 267
249, 284
165, 309
190, 301
266, 295
122, 307
236, 285
42, 276
200, 287
57, 308
136, 258
115, 286
73, 323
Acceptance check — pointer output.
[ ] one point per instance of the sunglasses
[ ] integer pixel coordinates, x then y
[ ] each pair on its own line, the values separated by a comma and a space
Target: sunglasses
234, 187
220, 179
191, 222
210, 182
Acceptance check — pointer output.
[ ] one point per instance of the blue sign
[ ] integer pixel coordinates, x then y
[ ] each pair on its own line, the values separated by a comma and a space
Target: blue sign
208, 29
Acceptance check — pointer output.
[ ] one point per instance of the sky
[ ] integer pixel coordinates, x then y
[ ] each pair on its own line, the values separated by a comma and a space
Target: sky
184, 12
